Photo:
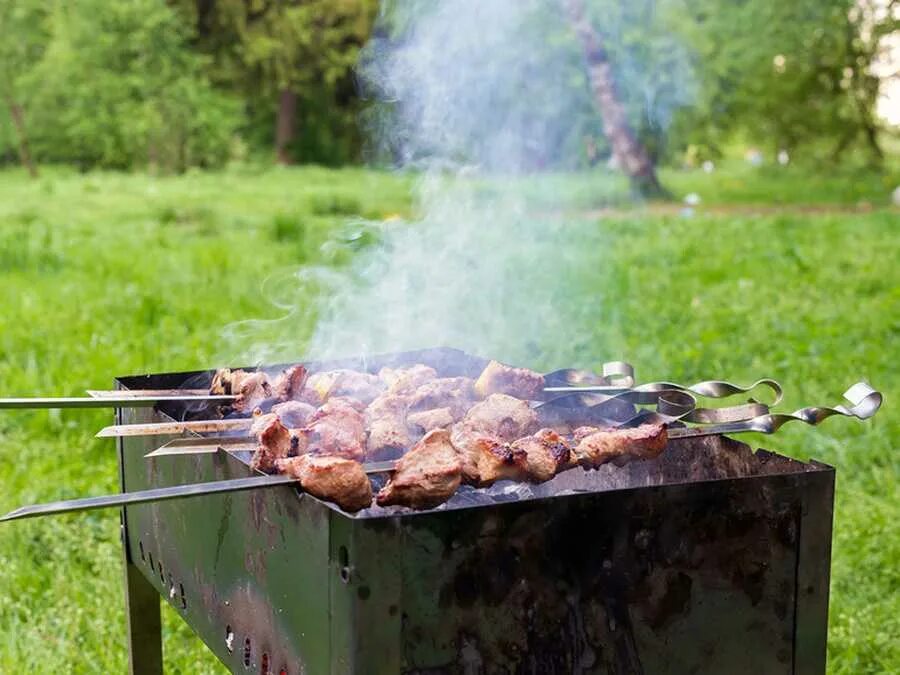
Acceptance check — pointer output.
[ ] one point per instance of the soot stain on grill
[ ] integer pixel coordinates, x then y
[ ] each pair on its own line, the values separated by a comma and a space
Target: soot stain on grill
223, 528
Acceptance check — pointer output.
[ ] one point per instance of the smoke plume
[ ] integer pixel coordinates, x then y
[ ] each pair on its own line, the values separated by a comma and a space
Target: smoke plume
476, 98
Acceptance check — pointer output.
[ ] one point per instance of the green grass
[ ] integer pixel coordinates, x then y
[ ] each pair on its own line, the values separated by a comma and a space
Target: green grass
111, 274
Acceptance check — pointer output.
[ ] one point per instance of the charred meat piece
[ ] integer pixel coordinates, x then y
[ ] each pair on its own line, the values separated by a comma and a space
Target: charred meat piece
504, 417
275, 443
487, 459
454, 393
498, 378
346, 383
288, 386
547, 453
388, 432
337, 428
251, 389
598, 446
406, 380
294, 414
260, 421
333, 479
427, 420
426, 476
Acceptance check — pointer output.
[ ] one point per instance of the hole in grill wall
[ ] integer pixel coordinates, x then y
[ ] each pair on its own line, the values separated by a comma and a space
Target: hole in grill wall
229, 638
141, 547
150, 560
264, 664
247, 652
344, 562
183, 598
162, 576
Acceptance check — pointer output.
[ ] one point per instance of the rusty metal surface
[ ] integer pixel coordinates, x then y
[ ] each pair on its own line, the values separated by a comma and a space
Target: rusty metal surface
672, 579
710, 559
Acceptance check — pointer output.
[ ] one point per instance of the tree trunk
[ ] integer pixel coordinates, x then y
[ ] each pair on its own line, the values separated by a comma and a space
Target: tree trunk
628, 152
18, 118
284, 125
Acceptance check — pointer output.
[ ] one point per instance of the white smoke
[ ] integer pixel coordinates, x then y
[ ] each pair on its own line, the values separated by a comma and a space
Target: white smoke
476, 97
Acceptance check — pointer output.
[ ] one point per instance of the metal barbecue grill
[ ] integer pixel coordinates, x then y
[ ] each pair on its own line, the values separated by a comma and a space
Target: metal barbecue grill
711, 558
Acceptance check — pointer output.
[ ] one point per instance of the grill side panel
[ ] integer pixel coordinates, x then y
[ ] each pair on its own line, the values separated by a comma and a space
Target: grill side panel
248, 571
695, 578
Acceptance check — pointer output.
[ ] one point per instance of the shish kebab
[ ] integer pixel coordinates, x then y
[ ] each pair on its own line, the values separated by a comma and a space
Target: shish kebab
485, 445
255, 393
617, 377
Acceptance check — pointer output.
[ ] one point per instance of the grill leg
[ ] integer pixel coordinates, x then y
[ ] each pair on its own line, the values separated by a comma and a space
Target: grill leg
144, 627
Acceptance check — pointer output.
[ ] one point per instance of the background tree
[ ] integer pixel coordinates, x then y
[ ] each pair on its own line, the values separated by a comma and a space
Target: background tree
117, 86
25, 26
292, 61
627, 149
788, 75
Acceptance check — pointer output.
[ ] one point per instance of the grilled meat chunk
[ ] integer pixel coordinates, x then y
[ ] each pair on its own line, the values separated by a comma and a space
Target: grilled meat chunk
288, 386
334, 479
345, 383
501, 416
251, 389
454, 393
294, 414
260, 421
337, 428
486, 459
547, 453
406, 380
275, 443
389, 435
426, 476
427, 420
498, 378
598, 446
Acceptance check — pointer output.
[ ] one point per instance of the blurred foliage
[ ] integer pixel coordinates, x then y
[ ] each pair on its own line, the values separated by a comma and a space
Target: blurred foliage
786, 73
308, 47
116, 86
186, 83
104, 273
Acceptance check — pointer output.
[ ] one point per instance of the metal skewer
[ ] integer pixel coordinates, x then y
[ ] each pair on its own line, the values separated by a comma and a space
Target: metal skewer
118, 399
865, 402
166, 428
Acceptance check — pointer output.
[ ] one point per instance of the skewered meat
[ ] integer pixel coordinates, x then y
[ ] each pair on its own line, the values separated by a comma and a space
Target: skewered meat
426, 476
498, 378
294, 414
288, 386
251, 389
388, 432
347, 383
275, 443
486, 459
334, 479
260, 421
598, 446
406, 380
436, 418
501, 416
455, 393
483, 436
337, 428
547, 453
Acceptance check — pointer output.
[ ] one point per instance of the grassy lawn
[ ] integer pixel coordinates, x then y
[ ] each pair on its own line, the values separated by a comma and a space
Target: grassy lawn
109, 274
